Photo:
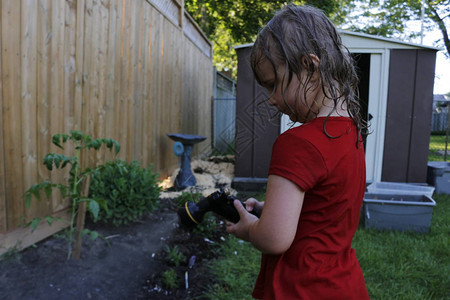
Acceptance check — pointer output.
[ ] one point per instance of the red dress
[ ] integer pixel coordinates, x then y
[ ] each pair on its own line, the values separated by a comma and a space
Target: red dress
320, 263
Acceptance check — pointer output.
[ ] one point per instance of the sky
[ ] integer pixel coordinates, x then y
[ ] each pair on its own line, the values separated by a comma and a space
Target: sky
442, 71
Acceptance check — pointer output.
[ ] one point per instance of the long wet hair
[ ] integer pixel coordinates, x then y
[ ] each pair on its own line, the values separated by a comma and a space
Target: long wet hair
290, 38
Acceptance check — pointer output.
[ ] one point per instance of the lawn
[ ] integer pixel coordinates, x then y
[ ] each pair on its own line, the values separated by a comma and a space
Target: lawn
437, 148
396, 265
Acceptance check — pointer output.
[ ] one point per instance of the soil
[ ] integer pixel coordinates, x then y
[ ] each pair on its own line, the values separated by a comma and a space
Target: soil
130, 267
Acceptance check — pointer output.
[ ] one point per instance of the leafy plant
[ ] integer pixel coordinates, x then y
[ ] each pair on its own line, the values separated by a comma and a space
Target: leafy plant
174, 256
128, 189
72, 189
208, 226
169, 279
10, 254
186, 197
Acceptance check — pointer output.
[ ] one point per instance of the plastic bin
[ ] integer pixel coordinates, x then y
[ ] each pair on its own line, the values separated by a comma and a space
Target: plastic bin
438, 175
384, 187
405, 212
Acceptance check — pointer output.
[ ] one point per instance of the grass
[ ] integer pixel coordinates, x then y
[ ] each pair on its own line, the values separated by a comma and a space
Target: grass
396, 265
437, 147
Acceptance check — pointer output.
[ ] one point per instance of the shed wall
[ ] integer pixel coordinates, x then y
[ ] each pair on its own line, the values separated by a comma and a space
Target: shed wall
408, 120
256, 130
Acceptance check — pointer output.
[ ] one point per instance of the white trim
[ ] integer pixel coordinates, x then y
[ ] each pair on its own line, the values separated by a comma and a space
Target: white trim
393, 43
379, 68
368, 42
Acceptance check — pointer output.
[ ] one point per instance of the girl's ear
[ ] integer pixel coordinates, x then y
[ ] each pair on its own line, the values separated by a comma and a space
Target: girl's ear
311, 64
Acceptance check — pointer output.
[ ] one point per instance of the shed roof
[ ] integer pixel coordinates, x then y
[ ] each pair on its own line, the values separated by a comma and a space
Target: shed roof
368, 41
364, 40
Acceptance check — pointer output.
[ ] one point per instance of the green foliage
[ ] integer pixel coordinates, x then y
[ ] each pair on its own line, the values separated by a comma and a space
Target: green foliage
72, 188
186, 197
208, 226
174, 256
396, 265
169, 279
236, 270
389, 18
128, 190
12, 253
229, 23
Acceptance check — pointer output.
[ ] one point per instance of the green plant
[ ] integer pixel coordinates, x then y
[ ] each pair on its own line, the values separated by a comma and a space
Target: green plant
72, 189
174, 256
169, 279
11, 253
128, 189
186, 197
208, 226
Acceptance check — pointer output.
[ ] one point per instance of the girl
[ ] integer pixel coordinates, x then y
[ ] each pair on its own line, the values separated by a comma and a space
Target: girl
317, 171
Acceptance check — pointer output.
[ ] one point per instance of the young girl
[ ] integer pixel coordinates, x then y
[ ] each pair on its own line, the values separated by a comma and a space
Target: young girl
317, 171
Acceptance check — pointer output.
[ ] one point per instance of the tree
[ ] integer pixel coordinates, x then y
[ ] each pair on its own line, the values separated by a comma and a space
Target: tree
388, 18
228, 23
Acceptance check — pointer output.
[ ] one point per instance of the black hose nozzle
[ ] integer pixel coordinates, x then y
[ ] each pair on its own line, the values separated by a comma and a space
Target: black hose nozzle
219, 202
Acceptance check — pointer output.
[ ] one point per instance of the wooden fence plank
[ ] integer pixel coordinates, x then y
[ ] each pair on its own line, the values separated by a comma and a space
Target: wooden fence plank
12, 110
57, 92
44, 34
124, 82
3, 213
139, 83
29, 93
70, 66
116, 42
110, 68
79, 65
23, 237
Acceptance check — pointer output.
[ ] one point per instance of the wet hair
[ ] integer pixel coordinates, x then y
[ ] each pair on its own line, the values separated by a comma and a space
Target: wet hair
290, 39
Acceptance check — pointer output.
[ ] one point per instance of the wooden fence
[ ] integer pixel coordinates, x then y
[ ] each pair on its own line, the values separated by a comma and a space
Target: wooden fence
128, 70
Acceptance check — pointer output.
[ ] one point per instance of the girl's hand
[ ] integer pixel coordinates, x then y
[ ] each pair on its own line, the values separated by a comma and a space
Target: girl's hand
241, 228
253, 204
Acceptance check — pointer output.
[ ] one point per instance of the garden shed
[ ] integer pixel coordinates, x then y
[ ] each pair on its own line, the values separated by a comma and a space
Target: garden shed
132, 71
396, 90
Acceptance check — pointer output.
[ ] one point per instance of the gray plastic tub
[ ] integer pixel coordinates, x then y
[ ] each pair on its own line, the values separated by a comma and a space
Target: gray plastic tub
398, 212
400, 188
438, 175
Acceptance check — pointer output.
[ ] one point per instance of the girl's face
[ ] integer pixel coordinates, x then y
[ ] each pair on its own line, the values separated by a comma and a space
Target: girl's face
298, 106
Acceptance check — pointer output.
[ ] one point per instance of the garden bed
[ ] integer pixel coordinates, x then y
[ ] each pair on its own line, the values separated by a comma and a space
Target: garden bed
132, 266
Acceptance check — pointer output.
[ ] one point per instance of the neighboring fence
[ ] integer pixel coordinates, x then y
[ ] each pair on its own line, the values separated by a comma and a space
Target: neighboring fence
224, 130
440, 132
439, 119
128, 70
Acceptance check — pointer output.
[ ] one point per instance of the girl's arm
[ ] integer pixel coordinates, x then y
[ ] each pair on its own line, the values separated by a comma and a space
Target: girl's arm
275, 230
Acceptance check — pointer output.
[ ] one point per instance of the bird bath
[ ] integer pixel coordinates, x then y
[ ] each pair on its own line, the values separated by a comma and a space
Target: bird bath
183, 147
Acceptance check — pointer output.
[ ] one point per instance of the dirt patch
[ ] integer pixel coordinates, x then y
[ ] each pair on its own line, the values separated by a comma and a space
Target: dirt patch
131, 267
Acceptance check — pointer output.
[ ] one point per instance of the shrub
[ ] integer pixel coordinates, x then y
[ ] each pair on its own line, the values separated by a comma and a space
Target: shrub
128, 189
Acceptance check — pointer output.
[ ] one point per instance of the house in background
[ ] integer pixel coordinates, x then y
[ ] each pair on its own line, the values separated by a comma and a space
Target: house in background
396, 90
